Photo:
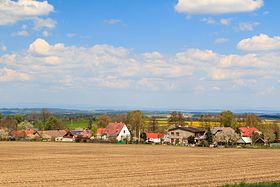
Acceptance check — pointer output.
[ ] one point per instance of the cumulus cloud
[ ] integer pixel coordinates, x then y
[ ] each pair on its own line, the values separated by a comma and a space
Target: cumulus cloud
13, 11
9, 74
217, 6
260, 42
111, 67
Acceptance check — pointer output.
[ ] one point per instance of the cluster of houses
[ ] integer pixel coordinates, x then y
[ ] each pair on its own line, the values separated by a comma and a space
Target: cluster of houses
118, 132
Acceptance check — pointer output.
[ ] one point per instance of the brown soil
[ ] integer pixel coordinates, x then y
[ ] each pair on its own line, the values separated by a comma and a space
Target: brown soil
80, 164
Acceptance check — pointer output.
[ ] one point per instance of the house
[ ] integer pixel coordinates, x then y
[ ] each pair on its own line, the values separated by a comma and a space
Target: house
181, 134
154, 137
99, 133
17, 134
248, 131
245, 140
32, 135
223, 135
248, 137
117, 132
52, 135
77, 135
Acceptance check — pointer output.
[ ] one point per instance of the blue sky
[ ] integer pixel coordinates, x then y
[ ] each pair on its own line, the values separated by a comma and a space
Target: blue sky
178, 54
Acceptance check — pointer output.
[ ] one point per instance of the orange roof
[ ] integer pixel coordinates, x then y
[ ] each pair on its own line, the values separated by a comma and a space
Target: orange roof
114, 129
154, 135
247, 131
29, 132
100, 131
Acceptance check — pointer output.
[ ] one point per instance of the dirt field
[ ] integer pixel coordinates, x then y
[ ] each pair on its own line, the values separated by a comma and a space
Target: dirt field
62, 164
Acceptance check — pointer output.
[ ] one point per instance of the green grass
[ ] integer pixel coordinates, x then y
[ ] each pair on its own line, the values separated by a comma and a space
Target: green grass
260, 184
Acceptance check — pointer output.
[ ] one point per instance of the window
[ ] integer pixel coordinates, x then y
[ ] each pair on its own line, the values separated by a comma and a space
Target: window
124, 131
172, 133
177, 133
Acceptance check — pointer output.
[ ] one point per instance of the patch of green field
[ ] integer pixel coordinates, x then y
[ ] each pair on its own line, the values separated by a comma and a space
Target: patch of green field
77, 124
260, 184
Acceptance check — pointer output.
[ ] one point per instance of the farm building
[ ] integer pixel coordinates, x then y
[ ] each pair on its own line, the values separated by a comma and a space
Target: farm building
52, 135
17, 134
245, 140
77, 135
116, 132
180, 134
154, 137
248, 131
250, 135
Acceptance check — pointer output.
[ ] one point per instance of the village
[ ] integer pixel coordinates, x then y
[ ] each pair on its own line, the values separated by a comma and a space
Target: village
118, 132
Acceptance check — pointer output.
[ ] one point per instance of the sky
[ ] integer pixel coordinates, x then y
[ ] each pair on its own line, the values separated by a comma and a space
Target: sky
160, 54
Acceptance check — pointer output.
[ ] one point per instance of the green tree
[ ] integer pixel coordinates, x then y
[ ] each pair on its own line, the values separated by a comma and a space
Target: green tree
177, 118
191, 140
103, 121
252, 120
18, 118
153, 124
227, 119
136, 122
209, 136
25, 125
54, 124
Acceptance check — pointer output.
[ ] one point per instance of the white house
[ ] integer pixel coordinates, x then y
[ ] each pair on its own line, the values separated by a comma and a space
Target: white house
117, 131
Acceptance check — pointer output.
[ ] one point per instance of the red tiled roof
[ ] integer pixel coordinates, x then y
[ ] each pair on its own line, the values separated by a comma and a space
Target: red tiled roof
100, 131
247, 131
154, 135
18, 133
29, 132
114, 129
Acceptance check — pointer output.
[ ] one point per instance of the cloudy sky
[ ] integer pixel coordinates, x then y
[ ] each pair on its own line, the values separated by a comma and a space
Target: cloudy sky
184, 54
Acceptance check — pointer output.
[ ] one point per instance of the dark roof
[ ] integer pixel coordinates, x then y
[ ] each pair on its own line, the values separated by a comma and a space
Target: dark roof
189, 129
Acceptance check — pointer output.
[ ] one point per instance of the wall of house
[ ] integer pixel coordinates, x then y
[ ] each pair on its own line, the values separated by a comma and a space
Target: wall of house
173, 135
124, 134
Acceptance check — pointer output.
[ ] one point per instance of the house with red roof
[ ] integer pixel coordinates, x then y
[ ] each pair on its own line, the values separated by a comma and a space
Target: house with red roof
154, 137
117, 132
99, 133
247, 136
248, 131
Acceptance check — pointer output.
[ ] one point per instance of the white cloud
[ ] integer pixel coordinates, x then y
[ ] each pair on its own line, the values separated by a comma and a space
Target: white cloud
225, 21
247, 26
22, 33
217, 6
44, 23
9, 75
209, 20
110, 67
45, 33
40, 47
260, 42
221, 40
13, 11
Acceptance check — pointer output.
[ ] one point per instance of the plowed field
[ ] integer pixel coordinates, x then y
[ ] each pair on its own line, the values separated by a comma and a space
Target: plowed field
80, 164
